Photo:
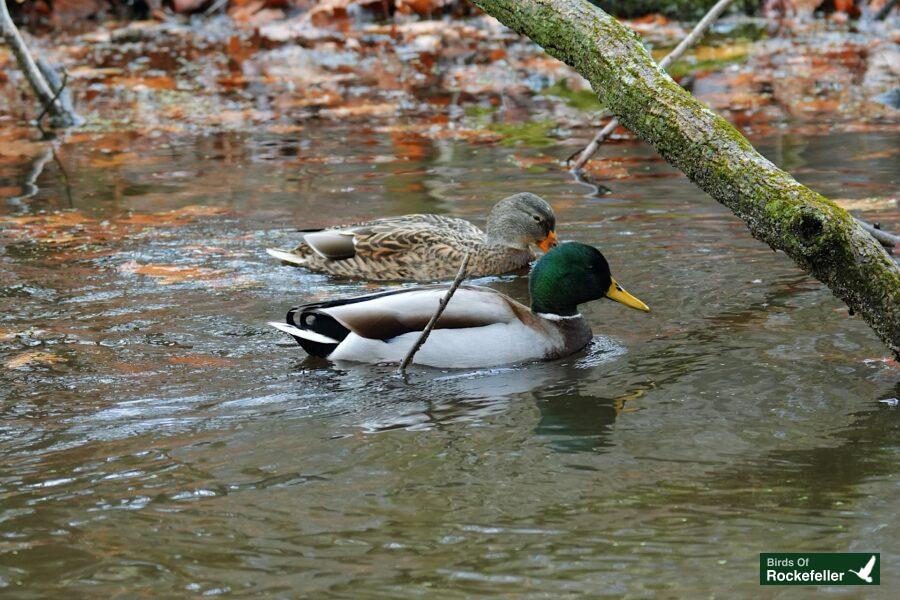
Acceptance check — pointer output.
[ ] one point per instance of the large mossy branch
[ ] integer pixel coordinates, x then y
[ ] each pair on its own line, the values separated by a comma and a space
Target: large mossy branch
820, 236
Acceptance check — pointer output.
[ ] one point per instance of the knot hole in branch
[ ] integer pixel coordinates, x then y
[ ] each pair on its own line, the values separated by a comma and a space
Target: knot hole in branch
809, 228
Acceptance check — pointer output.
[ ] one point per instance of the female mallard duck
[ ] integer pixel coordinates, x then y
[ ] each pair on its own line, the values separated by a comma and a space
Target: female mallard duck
480, 327
430, 247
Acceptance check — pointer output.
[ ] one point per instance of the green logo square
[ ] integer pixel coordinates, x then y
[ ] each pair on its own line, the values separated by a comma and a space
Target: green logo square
820, 568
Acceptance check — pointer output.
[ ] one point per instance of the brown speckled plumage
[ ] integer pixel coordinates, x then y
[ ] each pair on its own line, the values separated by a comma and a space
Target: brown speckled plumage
427, 247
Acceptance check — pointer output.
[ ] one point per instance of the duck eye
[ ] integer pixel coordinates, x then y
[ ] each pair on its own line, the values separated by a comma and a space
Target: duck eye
536, 218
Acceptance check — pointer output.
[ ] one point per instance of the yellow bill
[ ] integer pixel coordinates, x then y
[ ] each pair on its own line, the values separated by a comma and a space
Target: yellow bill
615, 292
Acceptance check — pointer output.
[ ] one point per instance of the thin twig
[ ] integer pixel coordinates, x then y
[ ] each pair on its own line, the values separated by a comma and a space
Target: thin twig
32, 73
886, 239
884, 10
215, 7
59, 91
460, 275
714, 13
598, 139
605, 114
54, 81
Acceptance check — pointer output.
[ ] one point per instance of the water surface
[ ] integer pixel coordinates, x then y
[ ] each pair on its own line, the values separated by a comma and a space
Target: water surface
161, 440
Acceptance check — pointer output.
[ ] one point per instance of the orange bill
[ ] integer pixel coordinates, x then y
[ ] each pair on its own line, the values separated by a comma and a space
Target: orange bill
549, 242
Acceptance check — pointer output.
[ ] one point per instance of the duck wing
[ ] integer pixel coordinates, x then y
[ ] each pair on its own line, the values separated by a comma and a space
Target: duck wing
382, 327
387, 315
867, 570
381, 237
386, 237
409, 247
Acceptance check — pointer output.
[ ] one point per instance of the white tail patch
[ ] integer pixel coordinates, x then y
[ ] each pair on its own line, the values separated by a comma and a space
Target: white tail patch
286, 256
303, 333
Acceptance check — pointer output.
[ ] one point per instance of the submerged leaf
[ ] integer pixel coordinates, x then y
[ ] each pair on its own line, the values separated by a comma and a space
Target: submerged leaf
33, 357
168, 274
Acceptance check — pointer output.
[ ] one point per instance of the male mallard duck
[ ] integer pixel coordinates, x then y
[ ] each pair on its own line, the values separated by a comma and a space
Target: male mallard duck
480, 327
430, 247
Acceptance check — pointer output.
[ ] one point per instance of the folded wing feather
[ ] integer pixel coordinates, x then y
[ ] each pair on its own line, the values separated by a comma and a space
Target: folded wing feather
334, 245
389, 315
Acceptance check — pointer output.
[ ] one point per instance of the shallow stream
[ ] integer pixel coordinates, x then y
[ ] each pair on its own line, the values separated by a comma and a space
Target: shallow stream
157, 438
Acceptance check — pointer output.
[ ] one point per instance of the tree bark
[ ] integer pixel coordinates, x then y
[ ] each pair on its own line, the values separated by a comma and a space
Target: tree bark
821, 237
693, 37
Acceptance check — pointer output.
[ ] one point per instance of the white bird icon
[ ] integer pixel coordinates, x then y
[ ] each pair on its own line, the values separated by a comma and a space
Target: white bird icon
865, 571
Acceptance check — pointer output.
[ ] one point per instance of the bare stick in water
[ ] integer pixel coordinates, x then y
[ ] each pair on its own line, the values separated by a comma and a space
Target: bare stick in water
460, 275
56, 95
49, 101
887, 239
885, 10
714, 13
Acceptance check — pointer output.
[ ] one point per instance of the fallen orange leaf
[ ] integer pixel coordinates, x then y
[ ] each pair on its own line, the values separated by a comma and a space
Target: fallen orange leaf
170, 273
28, 358
606, 169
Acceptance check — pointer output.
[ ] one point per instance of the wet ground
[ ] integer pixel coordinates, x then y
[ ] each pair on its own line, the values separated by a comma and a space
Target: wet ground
449, 77
159, 439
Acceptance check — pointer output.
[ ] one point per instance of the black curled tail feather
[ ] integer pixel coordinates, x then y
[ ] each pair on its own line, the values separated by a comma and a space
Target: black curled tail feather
319, 323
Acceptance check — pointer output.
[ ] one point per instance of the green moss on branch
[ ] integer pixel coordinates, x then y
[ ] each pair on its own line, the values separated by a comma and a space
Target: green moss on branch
820, 236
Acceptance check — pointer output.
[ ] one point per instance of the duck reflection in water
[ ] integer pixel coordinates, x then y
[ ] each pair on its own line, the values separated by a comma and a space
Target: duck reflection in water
543, 398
